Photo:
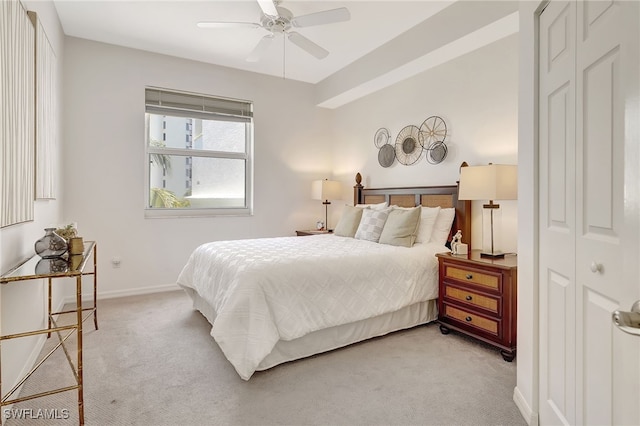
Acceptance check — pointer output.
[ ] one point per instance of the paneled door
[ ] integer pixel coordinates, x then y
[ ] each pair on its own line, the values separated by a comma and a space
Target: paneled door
589, 221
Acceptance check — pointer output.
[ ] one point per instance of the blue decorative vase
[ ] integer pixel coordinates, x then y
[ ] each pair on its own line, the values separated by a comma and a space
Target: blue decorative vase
51, 245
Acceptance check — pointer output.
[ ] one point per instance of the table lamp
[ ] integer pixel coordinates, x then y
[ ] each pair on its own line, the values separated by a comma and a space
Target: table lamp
326, 190
491, 182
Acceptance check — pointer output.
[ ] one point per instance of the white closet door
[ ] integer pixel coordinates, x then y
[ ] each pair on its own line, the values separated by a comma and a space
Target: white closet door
589, 370
607, 189
557, 213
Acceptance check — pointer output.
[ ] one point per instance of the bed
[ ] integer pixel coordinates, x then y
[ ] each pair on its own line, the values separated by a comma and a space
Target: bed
273, 300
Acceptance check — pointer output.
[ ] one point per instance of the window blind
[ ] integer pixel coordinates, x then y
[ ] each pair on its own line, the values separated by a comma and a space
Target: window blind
157, 100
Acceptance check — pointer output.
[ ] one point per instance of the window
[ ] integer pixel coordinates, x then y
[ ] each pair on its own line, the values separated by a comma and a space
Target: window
198, 154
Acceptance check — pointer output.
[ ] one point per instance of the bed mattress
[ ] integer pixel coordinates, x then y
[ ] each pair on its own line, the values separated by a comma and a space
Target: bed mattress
257, 293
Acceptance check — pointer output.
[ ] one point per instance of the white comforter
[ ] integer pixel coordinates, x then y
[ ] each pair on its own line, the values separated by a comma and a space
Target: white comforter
270, 289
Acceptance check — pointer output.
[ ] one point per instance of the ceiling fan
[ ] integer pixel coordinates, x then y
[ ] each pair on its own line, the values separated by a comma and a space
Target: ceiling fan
278, 20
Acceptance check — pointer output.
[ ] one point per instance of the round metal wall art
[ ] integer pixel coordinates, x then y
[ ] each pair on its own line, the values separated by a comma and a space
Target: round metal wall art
408, 147
436, 153
432, 130
412, 141
381, 138
386, 155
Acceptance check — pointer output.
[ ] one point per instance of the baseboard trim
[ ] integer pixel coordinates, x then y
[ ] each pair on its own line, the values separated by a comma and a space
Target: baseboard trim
124, 293
525, 410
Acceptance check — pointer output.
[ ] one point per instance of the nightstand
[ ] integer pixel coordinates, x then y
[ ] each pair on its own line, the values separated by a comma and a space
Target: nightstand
311, 232
477, 297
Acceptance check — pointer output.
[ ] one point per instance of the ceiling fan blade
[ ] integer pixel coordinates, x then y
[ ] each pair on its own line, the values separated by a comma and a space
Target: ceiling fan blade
268, 7
319, 18
260, 48
307, 45
228, 25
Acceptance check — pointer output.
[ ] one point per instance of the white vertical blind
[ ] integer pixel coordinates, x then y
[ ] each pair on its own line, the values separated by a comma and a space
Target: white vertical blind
17, 155
46, 112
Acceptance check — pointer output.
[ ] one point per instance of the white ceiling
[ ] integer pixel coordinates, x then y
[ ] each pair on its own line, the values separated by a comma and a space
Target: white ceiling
169, 27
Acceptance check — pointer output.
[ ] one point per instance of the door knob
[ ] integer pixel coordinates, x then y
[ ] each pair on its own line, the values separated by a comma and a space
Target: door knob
629, 322
595, 267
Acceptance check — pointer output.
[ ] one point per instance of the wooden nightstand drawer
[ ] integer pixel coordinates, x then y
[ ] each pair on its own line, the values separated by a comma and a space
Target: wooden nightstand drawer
488, 303
470, 275
472, 320
477, 296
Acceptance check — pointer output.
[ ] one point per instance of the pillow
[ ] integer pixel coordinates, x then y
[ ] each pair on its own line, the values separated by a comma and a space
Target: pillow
442, 227
379, 206
401, 227
428, 218
371, 224
349, 221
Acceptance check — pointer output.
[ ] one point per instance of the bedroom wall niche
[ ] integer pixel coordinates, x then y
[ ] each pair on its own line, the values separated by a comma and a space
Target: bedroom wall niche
17, 155
46, 112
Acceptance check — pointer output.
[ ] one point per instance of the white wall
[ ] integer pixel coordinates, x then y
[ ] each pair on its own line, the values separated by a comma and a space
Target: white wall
477, 96
526, 392
23, 304
104, 151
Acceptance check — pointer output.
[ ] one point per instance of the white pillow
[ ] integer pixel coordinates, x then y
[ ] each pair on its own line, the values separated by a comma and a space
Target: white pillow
349, 221
379, 206
401, 227
442, 227
372, 224
428, 218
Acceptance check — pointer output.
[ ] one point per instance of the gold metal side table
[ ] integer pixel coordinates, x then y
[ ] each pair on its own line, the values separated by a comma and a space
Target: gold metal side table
66, 267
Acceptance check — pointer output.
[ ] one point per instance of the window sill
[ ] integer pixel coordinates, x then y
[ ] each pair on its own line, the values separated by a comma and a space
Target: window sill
158, 213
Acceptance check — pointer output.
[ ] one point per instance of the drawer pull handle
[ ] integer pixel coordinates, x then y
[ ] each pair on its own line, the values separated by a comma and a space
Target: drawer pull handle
469, 276
468, 319
468, 298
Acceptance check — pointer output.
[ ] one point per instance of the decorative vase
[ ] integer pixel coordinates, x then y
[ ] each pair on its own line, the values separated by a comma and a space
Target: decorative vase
51, 245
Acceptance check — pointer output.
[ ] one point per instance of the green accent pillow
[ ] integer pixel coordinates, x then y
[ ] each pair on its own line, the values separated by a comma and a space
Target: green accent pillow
401, 227
349, 221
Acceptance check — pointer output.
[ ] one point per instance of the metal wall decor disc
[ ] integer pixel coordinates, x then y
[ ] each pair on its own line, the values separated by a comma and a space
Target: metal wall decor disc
409, 145
408, 148
386, 155
432, 130
381, 138
437, 152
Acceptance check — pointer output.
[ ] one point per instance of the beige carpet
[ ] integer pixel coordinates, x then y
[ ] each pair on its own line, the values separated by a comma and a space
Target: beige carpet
153, 362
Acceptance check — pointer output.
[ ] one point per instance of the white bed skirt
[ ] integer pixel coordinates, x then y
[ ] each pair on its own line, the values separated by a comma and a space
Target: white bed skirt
335, 337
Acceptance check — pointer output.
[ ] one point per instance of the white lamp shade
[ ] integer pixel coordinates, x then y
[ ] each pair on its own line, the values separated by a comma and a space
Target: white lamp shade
326, 190
491, 182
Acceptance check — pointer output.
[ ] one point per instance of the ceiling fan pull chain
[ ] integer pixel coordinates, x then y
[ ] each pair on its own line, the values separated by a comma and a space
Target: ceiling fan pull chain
284, 56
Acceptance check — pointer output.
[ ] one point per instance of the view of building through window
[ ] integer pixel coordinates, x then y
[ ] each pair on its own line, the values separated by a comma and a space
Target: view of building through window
196, 163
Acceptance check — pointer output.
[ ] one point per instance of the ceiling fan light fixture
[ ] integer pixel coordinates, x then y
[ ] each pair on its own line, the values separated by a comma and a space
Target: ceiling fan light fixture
307, 45
332, 16
260, 48
278, 20
268, 7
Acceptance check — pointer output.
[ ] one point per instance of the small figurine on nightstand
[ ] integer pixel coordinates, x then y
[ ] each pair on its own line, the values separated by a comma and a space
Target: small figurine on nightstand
455, 241
457, 247
320, 225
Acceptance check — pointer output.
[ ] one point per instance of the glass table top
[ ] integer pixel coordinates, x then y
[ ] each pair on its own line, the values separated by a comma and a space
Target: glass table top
37, 267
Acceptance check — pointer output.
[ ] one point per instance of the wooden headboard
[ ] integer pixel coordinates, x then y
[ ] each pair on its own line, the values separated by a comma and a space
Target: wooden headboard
429, 196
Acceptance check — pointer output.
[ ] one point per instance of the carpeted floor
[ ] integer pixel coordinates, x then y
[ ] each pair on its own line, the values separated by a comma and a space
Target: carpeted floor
153, 362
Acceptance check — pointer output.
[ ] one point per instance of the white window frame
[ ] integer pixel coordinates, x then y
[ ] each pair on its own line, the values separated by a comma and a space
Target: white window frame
208, 108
